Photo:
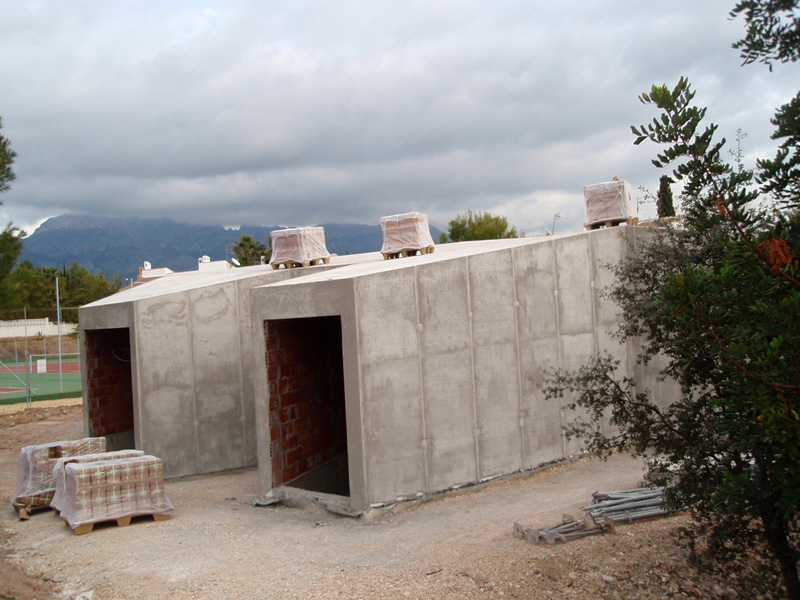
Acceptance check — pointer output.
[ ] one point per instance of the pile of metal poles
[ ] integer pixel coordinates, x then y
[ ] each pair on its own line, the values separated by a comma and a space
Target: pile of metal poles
606, 510
626, 506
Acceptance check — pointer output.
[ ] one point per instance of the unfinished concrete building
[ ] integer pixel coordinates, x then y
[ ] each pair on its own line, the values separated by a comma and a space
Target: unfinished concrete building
167, 368
392, 380
365, 381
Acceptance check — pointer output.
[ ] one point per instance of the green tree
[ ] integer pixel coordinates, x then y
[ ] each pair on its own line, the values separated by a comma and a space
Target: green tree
10, 249
719, 299
79, 286
7, 156
249, 251
780, 176
773, 31
11, 237
664, 201
478, 226
34, 287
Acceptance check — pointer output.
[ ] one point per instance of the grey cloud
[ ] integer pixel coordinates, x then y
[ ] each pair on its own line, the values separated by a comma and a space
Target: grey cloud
311, 111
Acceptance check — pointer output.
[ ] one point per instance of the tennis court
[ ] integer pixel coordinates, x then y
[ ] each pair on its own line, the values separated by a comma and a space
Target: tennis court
47, 377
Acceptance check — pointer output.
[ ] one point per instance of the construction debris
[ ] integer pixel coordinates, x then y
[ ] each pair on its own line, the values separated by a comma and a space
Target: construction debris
606, 510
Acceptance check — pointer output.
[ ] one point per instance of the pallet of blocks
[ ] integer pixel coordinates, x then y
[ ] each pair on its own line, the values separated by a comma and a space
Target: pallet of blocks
406, 235
114, 490
36, 482
298, 247
610, 203
58, 471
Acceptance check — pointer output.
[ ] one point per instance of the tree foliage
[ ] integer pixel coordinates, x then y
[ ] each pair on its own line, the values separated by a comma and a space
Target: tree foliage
780, 176
34, 288
664, 200
719, 299
10, 249
249, 251
773, 31
7, 156
473, 226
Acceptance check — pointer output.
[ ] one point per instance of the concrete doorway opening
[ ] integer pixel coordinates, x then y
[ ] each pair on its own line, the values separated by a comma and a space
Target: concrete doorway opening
308, 429
109, 386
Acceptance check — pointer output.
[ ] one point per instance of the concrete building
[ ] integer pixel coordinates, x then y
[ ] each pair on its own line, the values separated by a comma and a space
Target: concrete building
431, 375
167, 367
364, 381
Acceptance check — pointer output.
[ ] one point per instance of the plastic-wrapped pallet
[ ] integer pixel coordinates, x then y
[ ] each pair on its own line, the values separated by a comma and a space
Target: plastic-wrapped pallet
299, 246
114, 490
609, 203
35, 482
58, 471
406, 233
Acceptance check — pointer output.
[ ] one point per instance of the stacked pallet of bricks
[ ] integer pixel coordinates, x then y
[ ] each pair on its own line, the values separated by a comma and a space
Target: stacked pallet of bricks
114, 490
609, 204
406, 235
36, 481
59, 470
298, 247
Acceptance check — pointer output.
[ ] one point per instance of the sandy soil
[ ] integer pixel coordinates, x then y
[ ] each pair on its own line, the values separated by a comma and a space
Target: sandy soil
218, 545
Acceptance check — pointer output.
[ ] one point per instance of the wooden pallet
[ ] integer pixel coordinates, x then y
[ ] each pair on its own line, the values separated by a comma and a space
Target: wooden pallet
25, 512
612, 223
85, 528
405, 253
25, 506
290, 264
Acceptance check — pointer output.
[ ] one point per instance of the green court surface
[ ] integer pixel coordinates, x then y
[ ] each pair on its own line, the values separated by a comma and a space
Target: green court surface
44, 385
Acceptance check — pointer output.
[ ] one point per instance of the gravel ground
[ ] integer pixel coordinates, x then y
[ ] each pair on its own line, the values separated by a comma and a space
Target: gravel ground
22, 407
218, 545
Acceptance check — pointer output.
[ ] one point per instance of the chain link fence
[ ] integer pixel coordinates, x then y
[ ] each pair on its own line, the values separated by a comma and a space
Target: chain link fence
35, 362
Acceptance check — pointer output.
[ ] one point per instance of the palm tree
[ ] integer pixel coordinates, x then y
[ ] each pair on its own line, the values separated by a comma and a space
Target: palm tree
249, 251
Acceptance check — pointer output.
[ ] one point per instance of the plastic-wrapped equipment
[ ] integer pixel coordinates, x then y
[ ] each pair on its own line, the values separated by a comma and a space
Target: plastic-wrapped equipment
406, 232
36, 482
611, 201
58, 471
109, 490
299, 246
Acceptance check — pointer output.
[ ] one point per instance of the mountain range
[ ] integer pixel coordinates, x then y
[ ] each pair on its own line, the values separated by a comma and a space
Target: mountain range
121, 245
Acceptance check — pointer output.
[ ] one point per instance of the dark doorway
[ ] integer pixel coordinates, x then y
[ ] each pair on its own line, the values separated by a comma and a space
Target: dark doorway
109, 386
308, 429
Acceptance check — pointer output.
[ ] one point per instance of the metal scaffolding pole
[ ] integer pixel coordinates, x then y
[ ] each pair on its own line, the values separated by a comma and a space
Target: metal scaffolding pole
58, 318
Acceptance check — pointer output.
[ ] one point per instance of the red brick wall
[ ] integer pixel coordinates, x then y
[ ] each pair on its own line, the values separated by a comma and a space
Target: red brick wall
306, 390
109, 382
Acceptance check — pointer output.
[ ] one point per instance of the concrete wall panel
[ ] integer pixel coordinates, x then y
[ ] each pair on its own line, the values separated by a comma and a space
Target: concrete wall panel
542, 417
494, 336
447, 376
166, 392
247, 349
387, 316
607, 248
113, 316
574, 268
217, 377
539, 350
536, 284
391, 384
393, 434
449, 419
578, 350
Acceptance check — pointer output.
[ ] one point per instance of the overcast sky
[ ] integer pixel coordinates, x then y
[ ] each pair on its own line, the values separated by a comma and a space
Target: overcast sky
305, 112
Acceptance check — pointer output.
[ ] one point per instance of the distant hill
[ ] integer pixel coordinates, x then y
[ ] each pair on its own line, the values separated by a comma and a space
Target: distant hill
116, 245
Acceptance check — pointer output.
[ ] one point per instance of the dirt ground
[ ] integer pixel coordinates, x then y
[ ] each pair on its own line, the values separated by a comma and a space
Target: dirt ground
218, 545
